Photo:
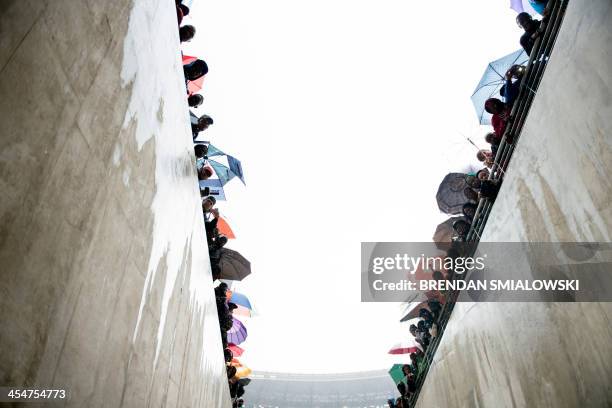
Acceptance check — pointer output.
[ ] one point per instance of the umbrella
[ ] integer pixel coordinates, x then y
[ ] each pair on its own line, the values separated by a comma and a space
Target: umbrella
242, 311
404, 348
224, 172
243, 372
188, 59
233, 266
236, 351
450, 196
224, 228
524, 5
241, 300
238, 333
396, 373
492, 80
196, 85
413, 311
445, 232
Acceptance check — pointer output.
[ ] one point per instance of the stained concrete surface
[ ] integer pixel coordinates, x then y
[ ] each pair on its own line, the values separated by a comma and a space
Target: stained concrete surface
105, 285
557, 189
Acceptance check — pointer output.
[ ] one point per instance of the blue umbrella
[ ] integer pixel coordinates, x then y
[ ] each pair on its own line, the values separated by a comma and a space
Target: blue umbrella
240, 299
492, 80
225, 173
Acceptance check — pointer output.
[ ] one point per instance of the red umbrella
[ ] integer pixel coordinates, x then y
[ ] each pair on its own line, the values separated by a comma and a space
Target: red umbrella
404, 348
236, 351
225, 229
195, 86
188, 59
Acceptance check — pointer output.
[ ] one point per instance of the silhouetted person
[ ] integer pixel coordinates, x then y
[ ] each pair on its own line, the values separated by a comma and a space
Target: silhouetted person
186, 33
195, 70
531, 26
195, 100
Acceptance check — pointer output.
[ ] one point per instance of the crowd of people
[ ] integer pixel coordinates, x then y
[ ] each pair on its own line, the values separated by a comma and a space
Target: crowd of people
195, 71
478, 186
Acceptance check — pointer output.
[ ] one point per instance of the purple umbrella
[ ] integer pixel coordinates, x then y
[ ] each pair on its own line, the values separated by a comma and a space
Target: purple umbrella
238, 333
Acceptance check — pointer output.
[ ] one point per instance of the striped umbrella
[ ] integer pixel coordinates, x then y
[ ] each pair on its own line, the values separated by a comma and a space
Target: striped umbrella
238, 333
404, 348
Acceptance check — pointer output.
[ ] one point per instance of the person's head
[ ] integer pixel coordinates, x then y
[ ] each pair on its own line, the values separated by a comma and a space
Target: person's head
186, 33
525, 21
406, 369
483, 155
196, 69
461, 227
437, 276
469, 210
204, 122
200, 150
208, 203
413, 329
205, 173
195, 100
401, 387
470, 194
227, 353
472, 181
494, 106
184, 9
482, 174
413, 357
491, 138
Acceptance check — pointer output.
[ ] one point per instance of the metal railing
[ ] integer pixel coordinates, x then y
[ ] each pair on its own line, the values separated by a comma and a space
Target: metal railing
530, 82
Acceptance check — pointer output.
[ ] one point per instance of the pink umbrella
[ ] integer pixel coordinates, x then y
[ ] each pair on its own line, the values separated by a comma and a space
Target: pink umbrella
193, 86
236, 351
404, 348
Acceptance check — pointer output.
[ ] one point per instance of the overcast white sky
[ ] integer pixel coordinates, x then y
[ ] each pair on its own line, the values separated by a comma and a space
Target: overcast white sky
346, 114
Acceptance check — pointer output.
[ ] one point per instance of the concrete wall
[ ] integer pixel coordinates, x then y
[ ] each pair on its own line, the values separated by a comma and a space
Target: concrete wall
105, 285
558, 188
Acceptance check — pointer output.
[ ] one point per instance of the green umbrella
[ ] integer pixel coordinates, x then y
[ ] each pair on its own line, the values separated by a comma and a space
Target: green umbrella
396, 373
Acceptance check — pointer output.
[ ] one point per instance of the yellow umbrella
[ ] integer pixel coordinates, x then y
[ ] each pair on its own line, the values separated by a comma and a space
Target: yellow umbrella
243, 372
